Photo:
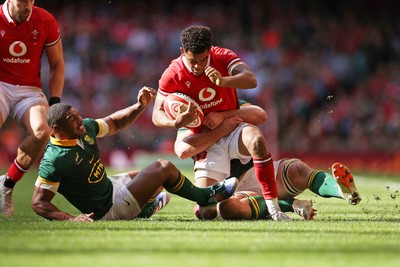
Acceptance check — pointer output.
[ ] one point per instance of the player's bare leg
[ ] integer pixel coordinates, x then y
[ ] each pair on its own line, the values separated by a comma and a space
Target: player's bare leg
298, 176
164, 173
292, 180
252, 207
30, 150
38, 132
254, 144
205, 212
156, 202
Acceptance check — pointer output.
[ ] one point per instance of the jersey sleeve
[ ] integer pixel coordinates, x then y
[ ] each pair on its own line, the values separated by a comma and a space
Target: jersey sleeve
103, 128
47, 178
92, 126
47, 184
228, 58
53, 34
96, 127
166, 84
168, 81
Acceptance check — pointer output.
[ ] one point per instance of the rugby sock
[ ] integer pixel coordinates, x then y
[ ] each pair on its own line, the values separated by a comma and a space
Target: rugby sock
14, 174
286, 205
183, 187
148, 208
323, 184
258, 207
264, 171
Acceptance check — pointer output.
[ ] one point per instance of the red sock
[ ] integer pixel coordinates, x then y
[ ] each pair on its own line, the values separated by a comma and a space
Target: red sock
264, 170
15, 172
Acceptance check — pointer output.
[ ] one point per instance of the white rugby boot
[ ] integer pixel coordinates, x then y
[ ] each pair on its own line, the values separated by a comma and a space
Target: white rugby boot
6, 198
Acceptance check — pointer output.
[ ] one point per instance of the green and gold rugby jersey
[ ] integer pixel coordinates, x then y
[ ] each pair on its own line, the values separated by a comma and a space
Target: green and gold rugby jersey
75, 168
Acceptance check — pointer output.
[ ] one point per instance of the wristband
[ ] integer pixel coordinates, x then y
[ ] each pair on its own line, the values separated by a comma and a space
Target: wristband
54, 100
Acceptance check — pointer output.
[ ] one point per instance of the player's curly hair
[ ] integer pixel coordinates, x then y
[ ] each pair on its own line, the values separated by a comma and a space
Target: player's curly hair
196, 39
56, 112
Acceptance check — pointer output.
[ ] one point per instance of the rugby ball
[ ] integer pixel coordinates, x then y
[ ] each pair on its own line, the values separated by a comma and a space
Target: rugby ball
175, 100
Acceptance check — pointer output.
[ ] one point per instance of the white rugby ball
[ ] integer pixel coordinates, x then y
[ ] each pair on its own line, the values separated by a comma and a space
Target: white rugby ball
171, 107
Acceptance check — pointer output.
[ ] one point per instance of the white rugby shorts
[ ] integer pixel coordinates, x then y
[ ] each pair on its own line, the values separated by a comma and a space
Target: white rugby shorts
217, 160
16, 99
125, 205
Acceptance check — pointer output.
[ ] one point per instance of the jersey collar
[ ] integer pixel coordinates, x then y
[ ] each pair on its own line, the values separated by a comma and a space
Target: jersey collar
8, 16
57, 142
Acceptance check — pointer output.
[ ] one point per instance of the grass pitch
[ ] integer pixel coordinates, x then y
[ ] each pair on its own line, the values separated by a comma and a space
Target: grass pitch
341, 235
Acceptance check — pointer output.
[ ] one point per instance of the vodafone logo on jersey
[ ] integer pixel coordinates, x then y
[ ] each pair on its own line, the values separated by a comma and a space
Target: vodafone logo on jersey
208, 94
17, 49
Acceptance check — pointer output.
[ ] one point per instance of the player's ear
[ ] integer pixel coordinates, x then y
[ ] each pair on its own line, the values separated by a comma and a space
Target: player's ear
181, 49
55, 128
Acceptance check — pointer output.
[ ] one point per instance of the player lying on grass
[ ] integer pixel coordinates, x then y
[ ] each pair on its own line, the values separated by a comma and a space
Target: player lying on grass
71, 166
292, 177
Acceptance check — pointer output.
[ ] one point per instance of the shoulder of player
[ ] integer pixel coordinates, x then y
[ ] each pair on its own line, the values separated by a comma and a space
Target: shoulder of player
54, 154
220, 51
173, 73
224, 56
90, 123
55, 160
39, 13
175, 66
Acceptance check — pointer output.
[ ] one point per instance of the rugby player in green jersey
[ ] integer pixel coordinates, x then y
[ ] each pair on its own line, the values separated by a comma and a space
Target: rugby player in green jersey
71, 165
293, 176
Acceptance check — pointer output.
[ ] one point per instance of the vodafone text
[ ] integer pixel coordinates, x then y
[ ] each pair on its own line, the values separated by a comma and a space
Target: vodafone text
17, 60
211, 104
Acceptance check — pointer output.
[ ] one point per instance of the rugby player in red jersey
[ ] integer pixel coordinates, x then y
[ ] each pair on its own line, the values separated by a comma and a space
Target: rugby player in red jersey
210, 75
26, 32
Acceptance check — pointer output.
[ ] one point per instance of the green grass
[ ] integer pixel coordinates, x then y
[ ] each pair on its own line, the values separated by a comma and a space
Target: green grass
363, 235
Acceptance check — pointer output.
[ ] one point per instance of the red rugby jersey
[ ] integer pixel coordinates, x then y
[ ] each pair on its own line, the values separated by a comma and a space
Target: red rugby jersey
178, 78
22, 46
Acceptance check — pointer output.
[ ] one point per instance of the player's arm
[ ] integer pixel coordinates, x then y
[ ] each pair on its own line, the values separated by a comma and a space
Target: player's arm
189, 144
41, 204
242, 77
125, 117
57, 71
248, 113
183, 117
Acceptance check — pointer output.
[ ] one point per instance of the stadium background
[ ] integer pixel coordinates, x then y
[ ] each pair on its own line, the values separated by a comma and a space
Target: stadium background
328, 72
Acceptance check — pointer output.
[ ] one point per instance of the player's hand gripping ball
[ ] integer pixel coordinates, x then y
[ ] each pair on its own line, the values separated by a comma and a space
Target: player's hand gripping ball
171, 107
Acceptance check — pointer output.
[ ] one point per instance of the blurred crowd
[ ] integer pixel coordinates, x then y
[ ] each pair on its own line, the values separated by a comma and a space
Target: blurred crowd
328, 71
